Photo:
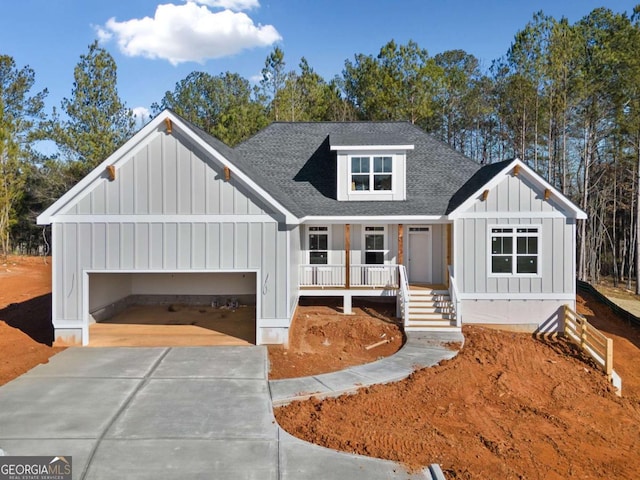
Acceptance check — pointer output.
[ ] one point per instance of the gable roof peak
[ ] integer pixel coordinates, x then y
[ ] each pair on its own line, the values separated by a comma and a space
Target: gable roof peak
225, 155
488, 176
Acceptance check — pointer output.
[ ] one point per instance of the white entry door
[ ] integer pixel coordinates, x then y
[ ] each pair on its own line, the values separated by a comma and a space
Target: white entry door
419, 260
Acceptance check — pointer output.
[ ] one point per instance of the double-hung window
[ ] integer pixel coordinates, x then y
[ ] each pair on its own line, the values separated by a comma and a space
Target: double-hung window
374, 245
371, 173
318, 245
515, 250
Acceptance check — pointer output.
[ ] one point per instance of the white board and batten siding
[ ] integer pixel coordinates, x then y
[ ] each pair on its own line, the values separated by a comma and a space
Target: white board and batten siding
170, 210
532, 301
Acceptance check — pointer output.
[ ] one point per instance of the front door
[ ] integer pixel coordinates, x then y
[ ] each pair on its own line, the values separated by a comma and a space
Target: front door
419, 261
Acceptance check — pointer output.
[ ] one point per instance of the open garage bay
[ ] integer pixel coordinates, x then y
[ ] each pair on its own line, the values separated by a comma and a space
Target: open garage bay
172, 309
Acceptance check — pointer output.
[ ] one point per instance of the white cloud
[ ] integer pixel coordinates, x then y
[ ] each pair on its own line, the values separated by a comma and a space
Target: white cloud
235, 5
141, 113
103, 35
141, 116
189, 33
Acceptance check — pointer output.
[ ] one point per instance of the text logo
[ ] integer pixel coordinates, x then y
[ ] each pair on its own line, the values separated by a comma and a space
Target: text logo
35, 468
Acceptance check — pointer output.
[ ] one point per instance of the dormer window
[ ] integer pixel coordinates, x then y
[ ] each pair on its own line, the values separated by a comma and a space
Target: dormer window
371, 173
371, 167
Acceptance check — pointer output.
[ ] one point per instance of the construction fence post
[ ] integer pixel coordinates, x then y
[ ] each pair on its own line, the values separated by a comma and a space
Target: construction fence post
609, 358
583, 335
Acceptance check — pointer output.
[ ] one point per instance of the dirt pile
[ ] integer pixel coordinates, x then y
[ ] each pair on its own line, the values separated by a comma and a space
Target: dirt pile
25, 296
20, 353
321, 340
25, 315
23, 278
509, 406
626, 342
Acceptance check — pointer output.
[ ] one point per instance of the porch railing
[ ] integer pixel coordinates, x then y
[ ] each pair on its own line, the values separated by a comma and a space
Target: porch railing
403, 295
455, 297
374, 276
593, 342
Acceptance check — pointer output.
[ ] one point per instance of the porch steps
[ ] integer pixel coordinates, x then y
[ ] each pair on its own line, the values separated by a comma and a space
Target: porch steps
430, 310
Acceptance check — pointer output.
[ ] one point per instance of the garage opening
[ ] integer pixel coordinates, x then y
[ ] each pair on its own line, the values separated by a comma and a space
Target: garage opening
172, 309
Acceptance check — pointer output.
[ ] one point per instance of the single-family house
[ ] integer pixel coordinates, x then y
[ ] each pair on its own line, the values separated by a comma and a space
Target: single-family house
334, 209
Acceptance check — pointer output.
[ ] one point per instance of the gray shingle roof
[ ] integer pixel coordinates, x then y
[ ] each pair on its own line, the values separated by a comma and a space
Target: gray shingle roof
294, 163
366, 139
221, 147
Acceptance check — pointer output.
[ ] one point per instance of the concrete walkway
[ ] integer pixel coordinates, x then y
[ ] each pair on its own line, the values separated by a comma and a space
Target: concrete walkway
420, 350
186, 412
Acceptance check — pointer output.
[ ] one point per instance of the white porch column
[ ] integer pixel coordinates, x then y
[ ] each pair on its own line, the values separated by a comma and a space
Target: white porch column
347, 257
346, 305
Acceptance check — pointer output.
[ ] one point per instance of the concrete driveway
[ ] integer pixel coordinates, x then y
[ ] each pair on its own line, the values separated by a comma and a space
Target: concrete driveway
165, 413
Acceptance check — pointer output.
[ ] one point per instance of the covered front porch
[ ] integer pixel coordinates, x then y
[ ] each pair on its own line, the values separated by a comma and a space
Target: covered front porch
367, 255
379, 260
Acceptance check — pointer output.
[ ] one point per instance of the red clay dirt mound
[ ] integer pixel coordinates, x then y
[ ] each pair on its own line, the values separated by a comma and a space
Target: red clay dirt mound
507, 407
25, 315
626, 342
25, 296
20, 353
23, 278
32, 317
321, 340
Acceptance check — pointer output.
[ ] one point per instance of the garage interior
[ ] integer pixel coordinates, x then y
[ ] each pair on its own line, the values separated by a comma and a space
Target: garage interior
172, 309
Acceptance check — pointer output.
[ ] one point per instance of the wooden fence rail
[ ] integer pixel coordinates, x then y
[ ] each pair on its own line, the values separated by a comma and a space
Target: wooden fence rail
590, 340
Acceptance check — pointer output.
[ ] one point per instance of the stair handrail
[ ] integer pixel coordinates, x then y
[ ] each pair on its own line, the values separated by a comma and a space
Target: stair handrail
404, 293
455, 297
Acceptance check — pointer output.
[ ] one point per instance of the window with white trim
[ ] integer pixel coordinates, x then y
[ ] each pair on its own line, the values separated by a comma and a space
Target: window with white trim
374, 244
515, 250
371, 173
318, 237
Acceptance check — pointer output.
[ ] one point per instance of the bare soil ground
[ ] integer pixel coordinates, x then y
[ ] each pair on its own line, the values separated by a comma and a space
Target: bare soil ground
322, 340
509, 406
606, 287
26, 332
626, 342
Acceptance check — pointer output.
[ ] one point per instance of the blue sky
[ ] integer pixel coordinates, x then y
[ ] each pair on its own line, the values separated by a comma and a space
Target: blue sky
179, 37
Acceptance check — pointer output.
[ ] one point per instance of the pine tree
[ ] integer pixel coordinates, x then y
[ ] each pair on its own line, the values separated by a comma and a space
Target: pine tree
20, 114
97, 121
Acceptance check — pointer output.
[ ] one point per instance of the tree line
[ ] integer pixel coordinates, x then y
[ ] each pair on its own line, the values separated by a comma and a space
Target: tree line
564, 98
